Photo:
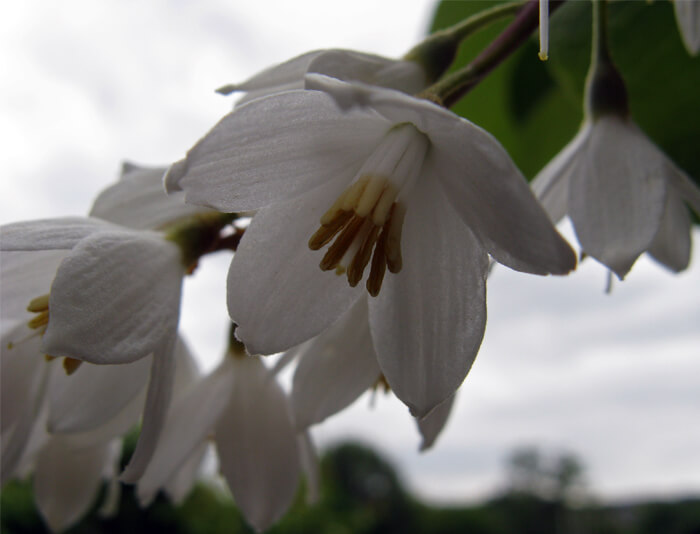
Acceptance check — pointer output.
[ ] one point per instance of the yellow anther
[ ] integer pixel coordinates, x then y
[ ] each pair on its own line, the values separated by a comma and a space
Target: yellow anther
49, 358
42, 319
366, 222
70, 365
39, 304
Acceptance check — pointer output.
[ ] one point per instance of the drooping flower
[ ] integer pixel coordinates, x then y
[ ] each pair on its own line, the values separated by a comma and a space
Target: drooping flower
688, 19
244, 410
623, 194
101, 292
401, 184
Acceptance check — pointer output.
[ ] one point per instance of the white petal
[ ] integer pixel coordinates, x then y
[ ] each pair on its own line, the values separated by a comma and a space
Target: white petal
310, 466
21, 370
688, 18
432, 424
16, 440
160, 388
26, 275
671, 245
191, 420
277, 293
49, 234
350, 65
290, 71
180, 485
66, 481
617, 194
681, 182
94, 394
139, 201
257, 446
494, 200
428, 320
335, 368
274, 149
114, 298
551, 185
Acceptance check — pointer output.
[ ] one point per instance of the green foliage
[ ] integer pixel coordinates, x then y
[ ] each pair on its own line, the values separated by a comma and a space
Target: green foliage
362, 494
535, 108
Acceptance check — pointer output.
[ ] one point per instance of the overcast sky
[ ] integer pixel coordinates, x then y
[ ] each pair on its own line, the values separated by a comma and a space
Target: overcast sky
614, 378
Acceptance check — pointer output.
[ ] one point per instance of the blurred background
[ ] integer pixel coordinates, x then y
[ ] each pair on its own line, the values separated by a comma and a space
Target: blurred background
567, 374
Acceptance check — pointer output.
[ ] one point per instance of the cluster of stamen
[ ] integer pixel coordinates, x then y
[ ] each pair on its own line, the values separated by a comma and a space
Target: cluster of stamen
367, 220
40, 307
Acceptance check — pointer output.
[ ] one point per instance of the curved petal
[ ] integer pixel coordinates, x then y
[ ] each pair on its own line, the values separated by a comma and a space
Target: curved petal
16, 440
688, 18
49, 234
139, 201
310, 466
94, 394
114, 298
191, 420
180, 485
432, 424
335, 368
274, 149
493, 199
350, 65
681, 182
428, 320
66, 481
671, 245
155, 410
290, 71
277, 293
21, 370
551, 185
25, 275
617, 194
257, 445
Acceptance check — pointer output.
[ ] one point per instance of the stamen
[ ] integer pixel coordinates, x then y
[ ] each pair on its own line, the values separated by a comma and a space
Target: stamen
393, 229
337, 250
70, 365
39, 304
361, 259
42, 319
376, 272
327, 231
365, 221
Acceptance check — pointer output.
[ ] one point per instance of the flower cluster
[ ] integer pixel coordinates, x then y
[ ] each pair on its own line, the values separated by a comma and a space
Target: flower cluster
375, 216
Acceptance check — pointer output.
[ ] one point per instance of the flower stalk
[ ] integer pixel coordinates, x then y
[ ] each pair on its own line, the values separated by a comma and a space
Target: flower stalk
436, 53
605, 88
452, 88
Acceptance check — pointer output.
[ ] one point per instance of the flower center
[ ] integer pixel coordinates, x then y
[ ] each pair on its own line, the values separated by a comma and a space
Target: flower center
367, 218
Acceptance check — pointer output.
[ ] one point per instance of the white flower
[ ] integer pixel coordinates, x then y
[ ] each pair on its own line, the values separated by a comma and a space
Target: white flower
688, 18
102, 292
338, 366
347, 65
423, 192
243, 409
624, 196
